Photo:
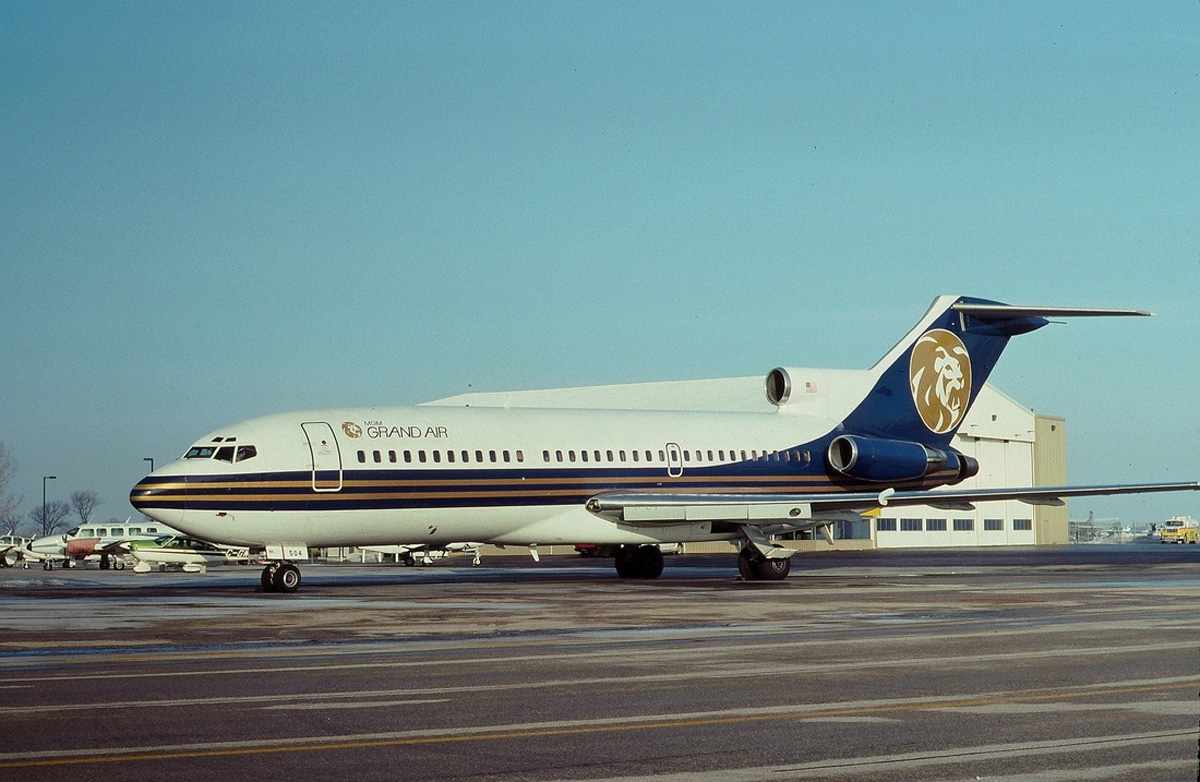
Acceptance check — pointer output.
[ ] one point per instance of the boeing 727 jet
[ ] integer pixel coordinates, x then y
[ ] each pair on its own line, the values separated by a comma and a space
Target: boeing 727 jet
838, 444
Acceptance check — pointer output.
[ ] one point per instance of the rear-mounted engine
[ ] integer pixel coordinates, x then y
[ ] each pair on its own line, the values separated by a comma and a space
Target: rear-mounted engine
874, 459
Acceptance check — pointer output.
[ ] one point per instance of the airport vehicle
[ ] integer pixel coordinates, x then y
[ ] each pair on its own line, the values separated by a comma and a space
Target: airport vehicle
1180, 529
422, 554
839, 444
190, 554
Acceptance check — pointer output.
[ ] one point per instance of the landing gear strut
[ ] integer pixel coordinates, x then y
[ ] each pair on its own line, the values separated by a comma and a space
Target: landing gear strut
280, 577
639, 562
755, 567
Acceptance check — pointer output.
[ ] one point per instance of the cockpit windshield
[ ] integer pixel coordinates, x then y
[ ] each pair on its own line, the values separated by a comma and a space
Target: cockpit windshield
199, 452
224, 453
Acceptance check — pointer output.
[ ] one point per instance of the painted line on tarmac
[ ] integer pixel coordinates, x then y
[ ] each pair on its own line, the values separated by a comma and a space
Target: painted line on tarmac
359, 705
529, 730
874, 765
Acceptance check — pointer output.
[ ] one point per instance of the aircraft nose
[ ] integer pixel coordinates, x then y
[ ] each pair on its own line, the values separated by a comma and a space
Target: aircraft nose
161, 500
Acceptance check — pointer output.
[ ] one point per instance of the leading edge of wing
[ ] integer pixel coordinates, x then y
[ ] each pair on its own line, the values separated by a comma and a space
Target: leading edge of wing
615, 503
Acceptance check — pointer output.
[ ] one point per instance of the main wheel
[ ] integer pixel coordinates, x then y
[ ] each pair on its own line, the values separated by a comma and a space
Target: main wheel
773, 569
287, 578
649, 562
268, 578
625, 562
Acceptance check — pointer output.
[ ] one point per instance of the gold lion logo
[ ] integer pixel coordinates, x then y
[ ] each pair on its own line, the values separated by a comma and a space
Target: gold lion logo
351, 429
939, 375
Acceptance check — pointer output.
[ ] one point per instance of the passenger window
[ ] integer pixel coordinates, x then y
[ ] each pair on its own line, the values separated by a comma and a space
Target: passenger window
362, 457
421, 456
635, 456
687, 456
596, 455
505, 455
450, 456
558, 456
710, 456
408, 457
662, 457
392, 457
545, 456
378, 457
571, 455
721, 455
225, 454
437, 456
609, 455
753, 454
583, 455
245, 452
491, 456
479, 456
520, 455
621, 454
466, 456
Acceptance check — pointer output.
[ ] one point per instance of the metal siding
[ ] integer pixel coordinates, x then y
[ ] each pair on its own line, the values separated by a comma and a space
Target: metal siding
1050, 469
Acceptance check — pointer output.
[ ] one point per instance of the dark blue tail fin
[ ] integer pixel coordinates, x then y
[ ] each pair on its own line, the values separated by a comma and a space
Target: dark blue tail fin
925, 385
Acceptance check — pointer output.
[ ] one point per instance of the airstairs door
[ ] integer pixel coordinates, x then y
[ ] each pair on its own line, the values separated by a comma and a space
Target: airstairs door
326, 456
674, 460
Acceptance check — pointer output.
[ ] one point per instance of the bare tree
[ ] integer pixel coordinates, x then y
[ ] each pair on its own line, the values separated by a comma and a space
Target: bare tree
10, 521
8, 468
84, 502
56, 512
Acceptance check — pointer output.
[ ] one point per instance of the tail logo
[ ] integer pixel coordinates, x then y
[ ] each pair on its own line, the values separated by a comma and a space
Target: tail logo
939, 376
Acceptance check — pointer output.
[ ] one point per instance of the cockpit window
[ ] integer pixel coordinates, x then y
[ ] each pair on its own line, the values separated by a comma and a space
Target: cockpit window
245, 452
199, 452
225, 454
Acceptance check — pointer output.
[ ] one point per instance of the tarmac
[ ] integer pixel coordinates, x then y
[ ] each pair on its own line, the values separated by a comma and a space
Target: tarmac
1049, 663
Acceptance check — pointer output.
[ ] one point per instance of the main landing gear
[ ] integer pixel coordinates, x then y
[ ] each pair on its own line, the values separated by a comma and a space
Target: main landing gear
280, 577
753, 566
639, 562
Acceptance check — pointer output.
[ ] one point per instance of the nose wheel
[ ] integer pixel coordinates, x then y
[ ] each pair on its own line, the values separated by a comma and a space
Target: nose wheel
752, 566
280, 577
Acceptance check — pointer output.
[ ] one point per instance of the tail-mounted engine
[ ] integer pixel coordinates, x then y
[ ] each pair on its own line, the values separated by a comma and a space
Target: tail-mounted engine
874, 459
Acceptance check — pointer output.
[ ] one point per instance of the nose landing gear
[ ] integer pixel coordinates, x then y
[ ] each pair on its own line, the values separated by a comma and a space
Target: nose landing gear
280, 577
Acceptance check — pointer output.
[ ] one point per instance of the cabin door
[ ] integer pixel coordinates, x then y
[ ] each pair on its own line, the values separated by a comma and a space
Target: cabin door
674, 460
326, 456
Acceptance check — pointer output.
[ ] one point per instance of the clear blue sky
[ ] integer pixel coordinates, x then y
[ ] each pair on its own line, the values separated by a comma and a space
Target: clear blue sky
212, 211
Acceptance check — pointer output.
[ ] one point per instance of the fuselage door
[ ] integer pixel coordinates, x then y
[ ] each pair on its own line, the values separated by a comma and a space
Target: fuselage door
674, 460
326, 456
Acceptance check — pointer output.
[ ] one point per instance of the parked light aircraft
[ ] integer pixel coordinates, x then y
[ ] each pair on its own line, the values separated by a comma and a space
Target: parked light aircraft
839, 444
194, 556
422, 554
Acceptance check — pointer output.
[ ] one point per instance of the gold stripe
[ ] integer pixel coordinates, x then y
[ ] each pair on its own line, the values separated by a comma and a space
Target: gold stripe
285, 484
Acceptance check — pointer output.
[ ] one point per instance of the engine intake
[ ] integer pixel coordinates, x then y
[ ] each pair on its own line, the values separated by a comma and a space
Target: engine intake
878, 460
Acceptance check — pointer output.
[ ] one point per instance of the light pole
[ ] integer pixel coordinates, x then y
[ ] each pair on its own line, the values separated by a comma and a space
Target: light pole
44, 479
149, 459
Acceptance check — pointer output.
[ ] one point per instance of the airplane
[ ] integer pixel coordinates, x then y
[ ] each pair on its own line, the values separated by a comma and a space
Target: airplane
169, 550
66, 549
422, 554
839, 444
10, 549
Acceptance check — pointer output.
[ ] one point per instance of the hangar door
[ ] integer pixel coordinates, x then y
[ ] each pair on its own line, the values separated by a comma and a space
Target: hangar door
326, 456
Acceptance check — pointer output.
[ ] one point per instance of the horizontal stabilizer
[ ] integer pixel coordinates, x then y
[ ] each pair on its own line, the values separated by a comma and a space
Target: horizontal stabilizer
1004, 311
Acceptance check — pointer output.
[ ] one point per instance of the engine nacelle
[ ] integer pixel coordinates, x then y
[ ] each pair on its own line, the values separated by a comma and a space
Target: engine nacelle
878, 460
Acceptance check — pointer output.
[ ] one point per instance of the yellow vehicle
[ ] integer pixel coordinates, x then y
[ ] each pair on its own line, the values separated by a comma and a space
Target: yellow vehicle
1180, 529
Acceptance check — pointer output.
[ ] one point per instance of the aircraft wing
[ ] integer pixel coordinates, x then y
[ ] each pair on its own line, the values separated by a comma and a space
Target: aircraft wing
806, 509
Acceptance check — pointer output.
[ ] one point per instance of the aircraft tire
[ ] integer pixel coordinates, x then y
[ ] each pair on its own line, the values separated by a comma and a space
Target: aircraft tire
286, 578
649, 561
268, 578
746, 565
624, 560
773, 569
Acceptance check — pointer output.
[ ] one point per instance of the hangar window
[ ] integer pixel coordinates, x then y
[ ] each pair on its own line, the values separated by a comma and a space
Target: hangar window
993, 525
245, 452
885, 525
935, 525
583, 455
520, 455
507, 456
408, 457
421, 456
200, 452
910, 525
609, 454
491, 456
558, 456
362, 457
450, 456
479, 456
378, 457
225, 454
545, 456
1022, 525
964, 525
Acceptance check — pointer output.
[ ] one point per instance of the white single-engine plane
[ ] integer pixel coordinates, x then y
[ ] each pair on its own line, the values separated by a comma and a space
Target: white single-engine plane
837, 444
